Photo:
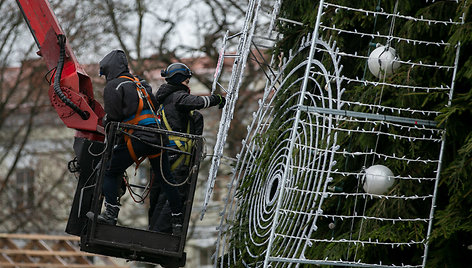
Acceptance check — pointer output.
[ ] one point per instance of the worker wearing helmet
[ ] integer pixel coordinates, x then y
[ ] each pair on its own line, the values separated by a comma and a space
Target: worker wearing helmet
176, 99
178, 113
130, 100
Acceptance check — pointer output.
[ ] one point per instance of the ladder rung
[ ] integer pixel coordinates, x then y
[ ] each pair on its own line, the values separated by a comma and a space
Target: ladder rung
231, 55
291, 21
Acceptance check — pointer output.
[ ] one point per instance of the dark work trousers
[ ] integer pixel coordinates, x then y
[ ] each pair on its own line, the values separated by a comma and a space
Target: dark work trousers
121, 160
159, 210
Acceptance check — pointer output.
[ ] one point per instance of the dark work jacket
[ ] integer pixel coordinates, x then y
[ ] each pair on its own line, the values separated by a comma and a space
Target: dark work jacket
178, 103
120, 95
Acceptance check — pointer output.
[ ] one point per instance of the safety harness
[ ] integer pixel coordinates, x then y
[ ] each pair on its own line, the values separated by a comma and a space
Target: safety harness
184, 144
142, 117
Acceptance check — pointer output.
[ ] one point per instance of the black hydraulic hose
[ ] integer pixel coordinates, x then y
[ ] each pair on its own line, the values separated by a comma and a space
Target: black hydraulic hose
57, 78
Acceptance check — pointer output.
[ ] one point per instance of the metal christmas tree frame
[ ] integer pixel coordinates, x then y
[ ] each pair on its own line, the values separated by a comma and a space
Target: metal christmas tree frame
248, 40
298, 191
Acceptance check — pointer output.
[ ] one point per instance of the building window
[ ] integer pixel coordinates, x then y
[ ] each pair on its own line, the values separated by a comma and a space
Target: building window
24, 188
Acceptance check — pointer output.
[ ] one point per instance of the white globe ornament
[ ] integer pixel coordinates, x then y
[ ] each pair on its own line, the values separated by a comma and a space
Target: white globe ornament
378, 179
383, 60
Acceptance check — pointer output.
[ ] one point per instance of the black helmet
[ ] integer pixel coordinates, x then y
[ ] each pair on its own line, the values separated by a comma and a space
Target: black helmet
176, 68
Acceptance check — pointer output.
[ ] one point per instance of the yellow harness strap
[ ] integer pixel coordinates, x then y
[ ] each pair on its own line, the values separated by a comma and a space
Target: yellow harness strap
184, 144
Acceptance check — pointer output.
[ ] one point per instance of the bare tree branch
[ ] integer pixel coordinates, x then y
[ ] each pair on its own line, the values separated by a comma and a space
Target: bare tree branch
116, 26
24, 140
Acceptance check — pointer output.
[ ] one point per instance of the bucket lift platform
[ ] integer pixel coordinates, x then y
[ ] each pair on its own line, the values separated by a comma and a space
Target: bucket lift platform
122, 241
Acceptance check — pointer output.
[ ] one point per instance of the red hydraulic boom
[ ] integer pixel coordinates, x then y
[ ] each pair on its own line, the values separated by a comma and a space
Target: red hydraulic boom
72, 94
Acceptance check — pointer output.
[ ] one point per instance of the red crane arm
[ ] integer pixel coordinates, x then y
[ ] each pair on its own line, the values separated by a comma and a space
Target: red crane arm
73, 96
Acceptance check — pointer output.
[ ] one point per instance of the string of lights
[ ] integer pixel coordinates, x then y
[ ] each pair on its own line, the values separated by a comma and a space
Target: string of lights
299, 185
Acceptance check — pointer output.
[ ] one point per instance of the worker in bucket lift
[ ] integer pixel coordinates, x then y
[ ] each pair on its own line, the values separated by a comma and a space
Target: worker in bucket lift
130, 100
178, 113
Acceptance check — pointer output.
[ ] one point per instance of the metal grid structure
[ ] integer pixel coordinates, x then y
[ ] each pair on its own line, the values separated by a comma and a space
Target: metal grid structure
251, 37
296, 161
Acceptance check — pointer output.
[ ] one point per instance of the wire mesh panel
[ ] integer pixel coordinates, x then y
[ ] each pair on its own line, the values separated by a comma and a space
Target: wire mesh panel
252, 36
324, 177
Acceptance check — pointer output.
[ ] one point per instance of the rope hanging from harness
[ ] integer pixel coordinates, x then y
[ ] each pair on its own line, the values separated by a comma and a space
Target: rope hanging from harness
142, 117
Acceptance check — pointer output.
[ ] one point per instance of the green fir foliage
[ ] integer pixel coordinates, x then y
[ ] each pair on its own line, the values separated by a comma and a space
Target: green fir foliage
452, 231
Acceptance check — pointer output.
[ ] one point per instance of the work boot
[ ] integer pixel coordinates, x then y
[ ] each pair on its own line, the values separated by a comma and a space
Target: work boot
110, 215
176, 221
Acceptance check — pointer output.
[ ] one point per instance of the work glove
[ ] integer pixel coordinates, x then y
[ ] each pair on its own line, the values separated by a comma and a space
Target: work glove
217, 99
222, 102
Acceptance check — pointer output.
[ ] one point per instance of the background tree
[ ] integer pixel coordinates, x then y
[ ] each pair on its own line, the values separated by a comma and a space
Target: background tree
29, 203
152, 34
